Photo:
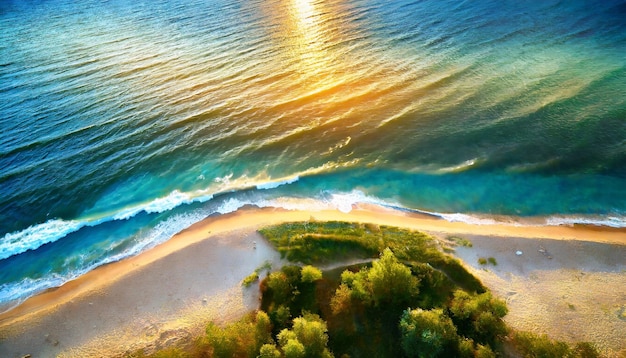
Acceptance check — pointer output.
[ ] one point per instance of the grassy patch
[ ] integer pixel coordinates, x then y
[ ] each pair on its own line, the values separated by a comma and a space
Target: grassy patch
459, 241
250, 279
534, 345
483, 261
254, 276
324, 242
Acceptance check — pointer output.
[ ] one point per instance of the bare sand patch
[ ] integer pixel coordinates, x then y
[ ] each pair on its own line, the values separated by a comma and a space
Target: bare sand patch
571, 290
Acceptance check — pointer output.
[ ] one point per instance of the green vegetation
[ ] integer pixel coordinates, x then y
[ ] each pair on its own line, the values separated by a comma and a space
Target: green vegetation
323, 242
484, 261
310, 274
531, 345
427, 334
250, 279
240, 339
387, 282
460, 241
254, 276
412, 300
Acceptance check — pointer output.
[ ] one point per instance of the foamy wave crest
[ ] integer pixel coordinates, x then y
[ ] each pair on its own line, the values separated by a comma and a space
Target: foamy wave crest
159, 205
344, 202
11, 295
611, 221
37, 235
157, 235
469, 219
277, 183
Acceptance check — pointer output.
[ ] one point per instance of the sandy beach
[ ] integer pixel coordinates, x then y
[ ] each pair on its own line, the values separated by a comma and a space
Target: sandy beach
568, 282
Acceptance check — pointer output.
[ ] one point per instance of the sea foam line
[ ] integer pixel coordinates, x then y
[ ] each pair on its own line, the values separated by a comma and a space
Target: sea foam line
11, 294
37, 235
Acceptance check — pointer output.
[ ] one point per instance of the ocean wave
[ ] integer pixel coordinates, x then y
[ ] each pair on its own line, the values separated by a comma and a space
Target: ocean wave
37, 235
159, 205
470, 219
13, 293
479, 219
275, 184
610, 221
50, 231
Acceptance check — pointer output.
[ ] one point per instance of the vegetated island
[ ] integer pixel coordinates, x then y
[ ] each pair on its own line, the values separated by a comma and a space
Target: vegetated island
159, 302
387, 292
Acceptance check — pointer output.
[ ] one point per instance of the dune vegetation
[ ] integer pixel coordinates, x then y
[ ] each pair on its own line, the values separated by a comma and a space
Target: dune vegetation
411, 299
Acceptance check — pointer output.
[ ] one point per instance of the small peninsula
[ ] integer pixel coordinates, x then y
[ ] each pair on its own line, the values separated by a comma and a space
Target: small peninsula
327, 274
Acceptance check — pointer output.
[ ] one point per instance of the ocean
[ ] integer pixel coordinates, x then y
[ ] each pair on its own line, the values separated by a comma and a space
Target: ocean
123, 122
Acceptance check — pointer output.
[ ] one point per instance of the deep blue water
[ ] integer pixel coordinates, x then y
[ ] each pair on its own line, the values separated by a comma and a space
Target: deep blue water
123, 122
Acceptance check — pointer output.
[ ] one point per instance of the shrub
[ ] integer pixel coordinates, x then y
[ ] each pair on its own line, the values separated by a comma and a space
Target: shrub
307, 338
310, 274
293, 349
461, 241
482, 261
479, 316
250, 279
387, 282
269, 351
426, 334
585, 350
242, 338
533, 345
492, 260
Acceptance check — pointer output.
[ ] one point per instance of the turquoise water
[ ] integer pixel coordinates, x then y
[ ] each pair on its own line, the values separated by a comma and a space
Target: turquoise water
123, 122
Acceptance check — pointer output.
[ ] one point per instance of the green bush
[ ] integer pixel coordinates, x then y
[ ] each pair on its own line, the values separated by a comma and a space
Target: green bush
250, 279
310, 274
532, 345
479, 316
427, 334
388, 282
243, 338
307, 338
460, 241
269, 351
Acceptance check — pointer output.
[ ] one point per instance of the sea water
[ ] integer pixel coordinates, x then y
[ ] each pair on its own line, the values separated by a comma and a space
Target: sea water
123, 122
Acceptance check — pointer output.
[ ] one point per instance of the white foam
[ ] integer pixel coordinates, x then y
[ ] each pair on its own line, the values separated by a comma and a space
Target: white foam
159, 205
37, 235
12, 294
611, 221
469, 219
345, 201
275, 184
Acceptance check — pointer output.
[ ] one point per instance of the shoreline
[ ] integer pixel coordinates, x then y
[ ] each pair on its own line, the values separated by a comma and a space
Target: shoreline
234, 237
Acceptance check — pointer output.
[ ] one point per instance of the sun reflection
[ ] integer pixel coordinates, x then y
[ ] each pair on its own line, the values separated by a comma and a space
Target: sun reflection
305, 11
307, 40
